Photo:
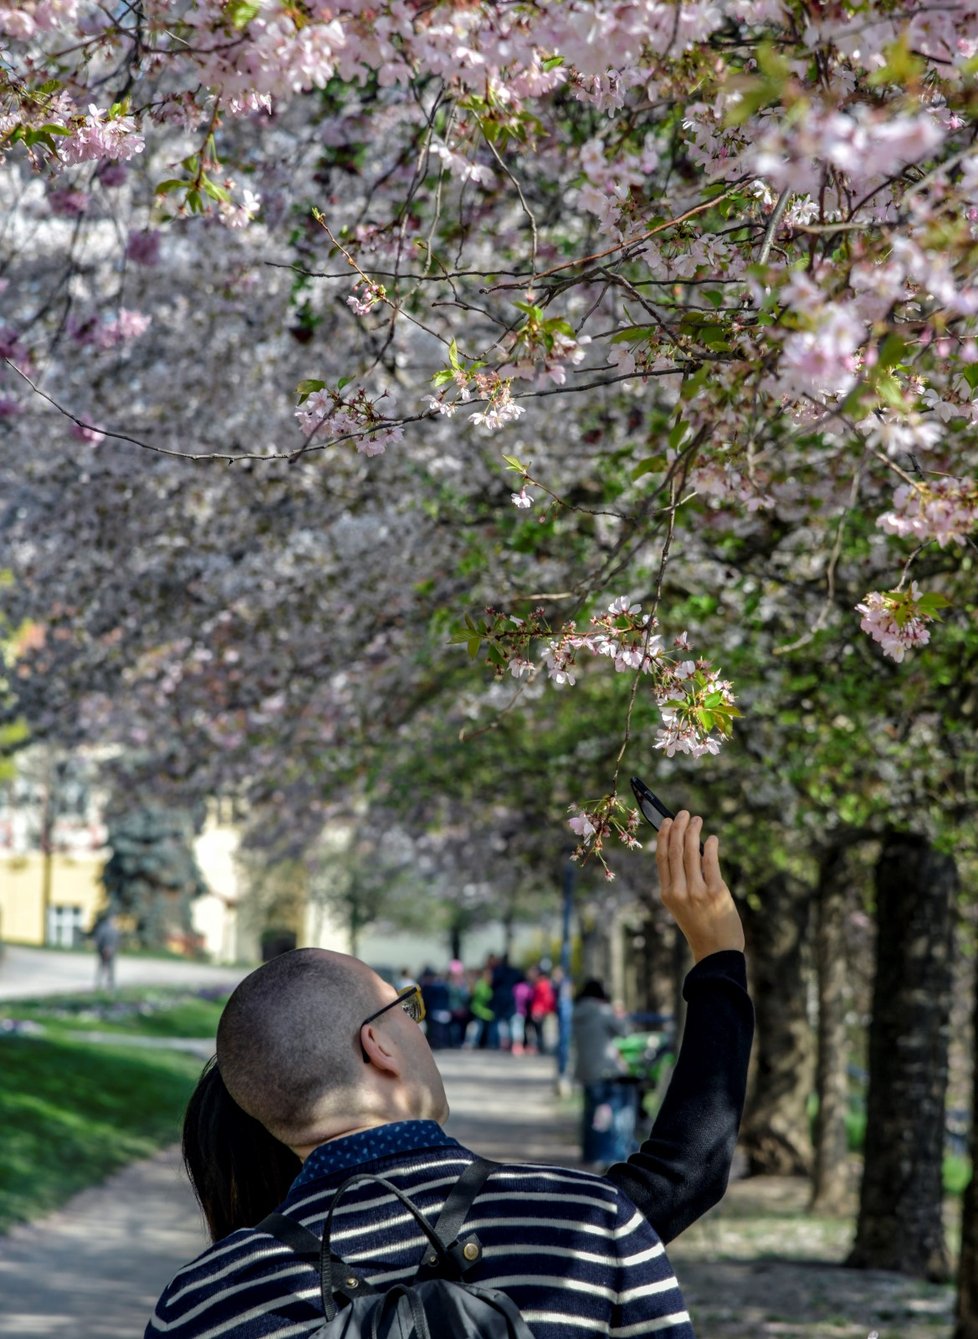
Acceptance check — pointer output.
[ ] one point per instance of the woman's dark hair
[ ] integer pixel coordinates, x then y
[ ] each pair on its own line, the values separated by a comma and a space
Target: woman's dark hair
238, 1171
592, 990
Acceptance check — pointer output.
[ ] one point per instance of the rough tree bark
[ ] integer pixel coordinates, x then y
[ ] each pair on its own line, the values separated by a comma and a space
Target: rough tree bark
775, 1136
966, 1317
831, 1176
900, 1224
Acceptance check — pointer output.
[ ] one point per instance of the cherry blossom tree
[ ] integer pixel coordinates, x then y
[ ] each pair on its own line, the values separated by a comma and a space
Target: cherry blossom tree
744, 231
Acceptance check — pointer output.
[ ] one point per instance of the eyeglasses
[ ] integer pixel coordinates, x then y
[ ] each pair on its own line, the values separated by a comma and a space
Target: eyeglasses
410, 1000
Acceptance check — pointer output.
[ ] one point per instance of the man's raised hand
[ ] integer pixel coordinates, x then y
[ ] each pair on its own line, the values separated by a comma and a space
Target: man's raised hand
693, 889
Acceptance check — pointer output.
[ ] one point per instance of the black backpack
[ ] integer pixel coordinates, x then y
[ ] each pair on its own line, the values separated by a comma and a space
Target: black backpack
436, 1303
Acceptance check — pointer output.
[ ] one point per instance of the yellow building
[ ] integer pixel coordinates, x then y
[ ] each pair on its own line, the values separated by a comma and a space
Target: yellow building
53, 906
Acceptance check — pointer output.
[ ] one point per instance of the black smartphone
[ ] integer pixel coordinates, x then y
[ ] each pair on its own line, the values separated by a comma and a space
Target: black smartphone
651, 806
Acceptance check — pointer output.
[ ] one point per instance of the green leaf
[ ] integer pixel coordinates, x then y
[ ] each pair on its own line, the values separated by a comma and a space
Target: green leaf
902, 66
892, 351
929, 604
890, 391
239, 13
216, 192
306, 388
635, 334
676, 434
694, 384
759, 92
172, 184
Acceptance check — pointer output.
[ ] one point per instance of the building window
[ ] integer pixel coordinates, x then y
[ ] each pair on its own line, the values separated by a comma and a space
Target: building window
66, 926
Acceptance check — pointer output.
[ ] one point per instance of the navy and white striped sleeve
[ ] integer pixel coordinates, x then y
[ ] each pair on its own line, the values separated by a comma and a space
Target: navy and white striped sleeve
649, 1300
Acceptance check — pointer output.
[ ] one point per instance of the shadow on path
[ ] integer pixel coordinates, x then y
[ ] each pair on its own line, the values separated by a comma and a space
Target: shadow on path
95, 1268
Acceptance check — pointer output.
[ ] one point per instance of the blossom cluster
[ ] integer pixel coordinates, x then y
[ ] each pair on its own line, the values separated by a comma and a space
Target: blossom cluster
594, 823
898, 620
696, 705
353, 416
944, 510
98, 137
500, 407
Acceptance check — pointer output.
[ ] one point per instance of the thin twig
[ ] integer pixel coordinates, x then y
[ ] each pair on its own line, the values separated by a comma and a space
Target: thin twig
632, 241
772, 226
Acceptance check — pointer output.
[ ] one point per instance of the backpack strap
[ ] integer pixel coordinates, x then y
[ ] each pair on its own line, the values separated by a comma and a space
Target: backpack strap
447, 1255
291, 1234
462, 1254
307, 1246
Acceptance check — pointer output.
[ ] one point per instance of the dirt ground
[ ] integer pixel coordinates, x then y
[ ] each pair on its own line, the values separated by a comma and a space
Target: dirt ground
760, 1267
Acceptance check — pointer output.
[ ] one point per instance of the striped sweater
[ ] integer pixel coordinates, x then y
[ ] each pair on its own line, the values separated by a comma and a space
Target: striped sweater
569, 1248
572, 1250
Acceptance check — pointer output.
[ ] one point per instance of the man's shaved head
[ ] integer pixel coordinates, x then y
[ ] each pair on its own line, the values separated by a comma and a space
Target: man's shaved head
288, 1041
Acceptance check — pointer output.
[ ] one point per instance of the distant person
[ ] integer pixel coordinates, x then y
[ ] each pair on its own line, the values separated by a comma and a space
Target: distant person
458, 1002
318, 1056
438, 1014
543, 1003
563, 1010
105, 937
522, 992
504, 979
610, 1096
480, 1034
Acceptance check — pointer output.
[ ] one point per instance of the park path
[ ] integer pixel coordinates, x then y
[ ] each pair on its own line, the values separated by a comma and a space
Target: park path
95, 1268
31, 973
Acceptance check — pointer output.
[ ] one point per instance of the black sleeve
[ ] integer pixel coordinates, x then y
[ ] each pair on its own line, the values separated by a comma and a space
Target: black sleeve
681, 1170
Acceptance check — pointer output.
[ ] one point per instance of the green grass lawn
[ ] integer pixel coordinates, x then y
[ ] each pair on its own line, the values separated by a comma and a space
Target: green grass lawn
132, 1013
71, 1111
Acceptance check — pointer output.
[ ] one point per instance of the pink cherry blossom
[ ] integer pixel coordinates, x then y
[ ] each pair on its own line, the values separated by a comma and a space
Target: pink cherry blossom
944, 510
99, 138
895, 620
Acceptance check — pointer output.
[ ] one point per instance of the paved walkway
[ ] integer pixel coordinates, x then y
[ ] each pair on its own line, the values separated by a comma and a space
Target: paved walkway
31, 973
95, 1268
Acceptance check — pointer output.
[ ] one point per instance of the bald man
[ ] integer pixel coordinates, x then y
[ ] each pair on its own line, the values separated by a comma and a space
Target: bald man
329, 1059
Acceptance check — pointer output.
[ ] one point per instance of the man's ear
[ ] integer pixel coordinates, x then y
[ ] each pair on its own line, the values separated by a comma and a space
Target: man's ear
379, 1050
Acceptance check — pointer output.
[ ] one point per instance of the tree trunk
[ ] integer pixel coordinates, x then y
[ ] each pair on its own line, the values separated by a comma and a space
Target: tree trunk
900, 1224
775, 1136
654, 963
831, 1179
966, 1316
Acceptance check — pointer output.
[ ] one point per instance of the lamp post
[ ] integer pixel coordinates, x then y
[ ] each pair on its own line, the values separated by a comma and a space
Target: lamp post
564, 985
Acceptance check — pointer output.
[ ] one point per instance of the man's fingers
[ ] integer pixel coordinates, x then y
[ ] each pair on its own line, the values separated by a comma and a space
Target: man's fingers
711, 860
677, 850
662, 848
694, 867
